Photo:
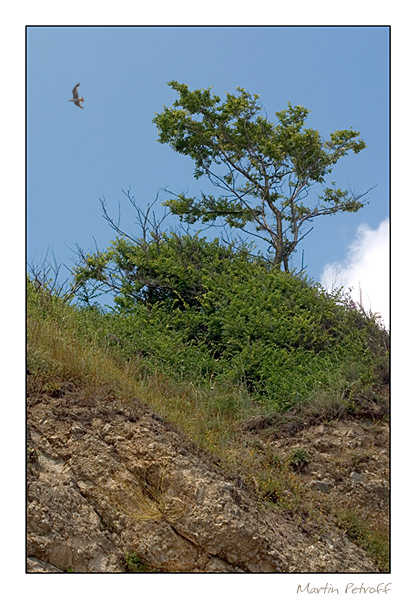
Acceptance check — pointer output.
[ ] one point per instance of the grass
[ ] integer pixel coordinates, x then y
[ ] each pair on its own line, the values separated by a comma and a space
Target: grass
367, 533
210, 414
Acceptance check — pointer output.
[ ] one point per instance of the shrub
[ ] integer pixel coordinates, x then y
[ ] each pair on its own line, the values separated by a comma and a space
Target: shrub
204, 312
299, 459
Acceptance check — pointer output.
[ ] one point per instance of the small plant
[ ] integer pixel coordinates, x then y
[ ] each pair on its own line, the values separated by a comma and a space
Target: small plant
299, 459
133, 563
32, 455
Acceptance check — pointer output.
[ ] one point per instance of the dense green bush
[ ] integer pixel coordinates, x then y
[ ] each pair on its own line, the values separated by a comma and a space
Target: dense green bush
208, 313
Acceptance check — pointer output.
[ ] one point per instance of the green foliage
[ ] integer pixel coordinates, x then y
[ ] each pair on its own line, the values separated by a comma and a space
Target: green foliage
202, 312
299, 459
170, 270
133, 564
265, 170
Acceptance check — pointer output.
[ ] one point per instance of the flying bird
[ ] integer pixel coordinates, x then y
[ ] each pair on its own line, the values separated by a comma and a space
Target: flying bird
75, 97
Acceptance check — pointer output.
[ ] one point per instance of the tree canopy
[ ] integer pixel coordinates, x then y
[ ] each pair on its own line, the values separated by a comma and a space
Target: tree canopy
264, 171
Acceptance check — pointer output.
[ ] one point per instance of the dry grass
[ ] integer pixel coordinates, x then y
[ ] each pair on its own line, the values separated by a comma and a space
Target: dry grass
53, 348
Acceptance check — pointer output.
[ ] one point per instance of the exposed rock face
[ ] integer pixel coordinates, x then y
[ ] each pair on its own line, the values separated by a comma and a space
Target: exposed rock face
107, 479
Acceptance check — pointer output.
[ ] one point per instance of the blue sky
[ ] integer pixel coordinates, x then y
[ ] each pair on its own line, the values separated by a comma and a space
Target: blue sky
75, 157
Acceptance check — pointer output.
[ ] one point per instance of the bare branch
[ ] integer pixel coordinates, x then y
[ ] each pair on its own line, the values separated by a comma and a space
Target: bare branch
46, 277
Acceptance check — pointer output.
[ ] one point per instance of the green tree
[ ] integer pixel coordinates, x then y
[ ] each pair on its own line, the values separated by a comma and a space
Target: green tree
265, 172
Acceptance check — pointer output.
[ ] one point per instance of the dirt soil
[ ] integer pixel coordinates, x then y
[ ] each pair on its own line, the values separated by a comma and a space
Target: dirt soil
112, 487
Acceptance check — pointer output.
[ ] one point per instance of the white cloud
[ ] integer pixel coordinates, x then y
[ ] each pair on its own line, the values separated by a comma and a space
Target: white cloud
365, 270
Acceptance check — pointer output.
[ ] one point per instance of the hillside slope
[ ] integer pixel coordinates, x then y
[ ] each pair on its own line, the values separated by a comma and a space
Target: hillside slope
113, 487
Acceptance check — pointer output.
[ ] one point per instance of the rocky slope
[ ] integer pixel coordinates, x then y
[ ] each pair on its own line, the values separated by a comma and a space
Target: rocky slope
111, 487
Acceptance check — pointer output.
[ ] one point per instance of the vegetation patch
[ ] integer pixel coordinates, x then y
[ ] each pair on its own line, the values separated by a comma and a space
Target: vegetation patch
133, 563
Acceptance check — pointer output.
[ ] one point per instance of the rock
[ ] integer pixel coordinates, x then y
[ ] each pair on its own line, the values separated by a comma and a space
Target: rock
322, 486
35, 565
358, 477
64, 530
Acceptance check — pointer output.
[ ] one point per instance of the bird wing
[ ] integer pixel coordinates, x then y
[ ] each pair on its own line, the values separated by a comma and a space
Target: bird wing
78, 104
75, 91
